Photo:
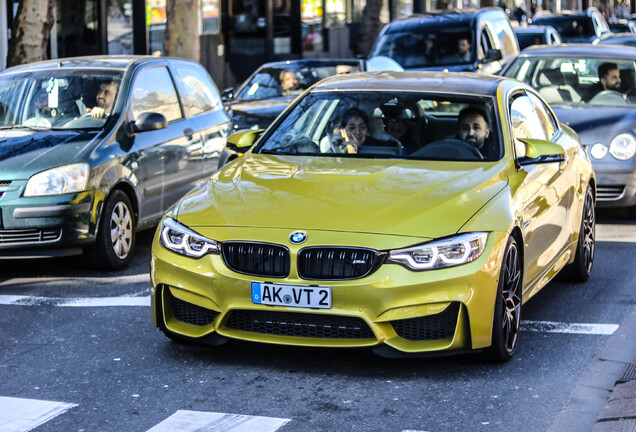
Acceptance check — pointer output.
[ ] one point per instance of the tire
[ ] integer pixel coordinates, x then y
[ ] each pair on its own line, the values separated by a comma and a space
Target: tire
507, 316
581, 268
115, 240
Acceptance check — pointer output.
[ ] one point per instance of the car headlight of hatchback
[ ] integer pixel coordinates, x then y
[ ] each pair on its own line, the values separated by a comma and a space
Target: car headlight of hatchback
182, 240
60, 180
449, 252
623, 146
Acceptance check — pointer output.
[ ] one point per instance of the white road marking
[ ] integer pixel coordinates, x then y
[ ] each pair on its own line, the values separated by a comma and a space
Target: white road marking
64, 280
21, 415
74, 302
616, 233
573, 328
191, 421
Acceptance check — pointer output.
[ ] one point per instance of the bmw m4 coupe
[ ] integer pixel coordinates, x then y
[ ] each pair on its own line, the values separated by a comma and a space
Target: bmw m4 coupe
338, 228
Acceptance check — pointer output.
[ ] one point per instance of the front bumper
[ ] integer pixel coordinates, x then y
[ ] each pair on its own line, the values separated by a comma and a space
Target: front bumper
615, 180
411, 312
36, 227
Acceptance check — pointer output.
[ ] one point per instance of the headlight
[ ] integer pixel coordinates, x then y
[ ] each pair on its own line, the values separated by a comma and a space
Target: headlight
438, 254
598, 151
182, 240
61, 180
623, 146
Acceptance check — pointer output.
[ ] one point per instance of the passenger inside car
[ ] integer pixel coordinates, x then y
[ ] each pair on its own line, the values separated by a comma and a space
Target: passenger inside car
290, 83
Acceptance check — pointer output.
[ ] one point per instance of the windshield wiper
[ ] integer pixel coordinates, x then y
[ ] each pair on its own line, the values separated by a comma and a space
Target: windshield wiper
34, 128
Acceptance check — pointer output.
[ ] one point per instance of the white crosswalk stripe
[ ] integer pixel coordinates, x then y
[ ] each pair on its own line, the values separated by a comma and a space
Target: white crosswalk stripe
22, 415
198, 421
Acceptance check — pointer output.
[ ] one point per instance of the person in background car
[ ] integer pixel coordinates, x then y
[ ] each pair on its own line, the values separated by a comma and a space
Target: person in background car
105, 99
44, 117
463, 51
289, 82
609, 78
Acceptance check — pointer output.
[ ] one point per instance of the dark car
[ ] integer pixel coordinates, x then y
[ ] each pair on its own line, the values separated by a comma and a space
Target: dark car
568, 79
94, 148
261, 98
622, 26
437, 41
537, 35
587, 26
628, 39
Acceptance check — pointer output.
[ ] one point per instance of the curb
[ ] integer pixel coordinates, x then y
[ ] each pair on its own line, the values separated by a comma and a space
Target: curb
592, 399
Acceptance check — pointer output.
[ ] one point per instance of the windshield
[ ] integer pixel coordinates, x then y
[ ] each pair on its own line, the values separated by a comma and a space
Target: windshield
57, 99
385, 125
576, 81
426, 46
528, 39
569, 26
292, 79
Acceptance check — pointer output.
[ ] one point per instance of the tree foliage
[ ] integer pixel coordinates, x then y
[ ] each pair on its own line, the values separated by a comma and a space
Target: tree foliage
182, 29
30, 32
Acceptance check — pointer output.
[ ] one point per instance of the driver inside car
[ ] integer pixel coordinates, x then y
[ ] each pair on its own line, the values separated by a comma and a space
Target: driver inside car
105, 98
473, 129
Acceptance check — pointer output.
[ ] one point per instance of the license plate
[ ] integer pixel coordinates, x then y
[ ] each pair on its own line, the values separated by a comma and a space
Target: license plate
291, 295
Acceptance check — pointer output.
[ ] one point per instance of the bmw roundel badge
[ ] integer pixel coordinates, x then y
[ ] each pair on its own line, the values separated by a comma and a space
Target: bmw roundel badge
298, 237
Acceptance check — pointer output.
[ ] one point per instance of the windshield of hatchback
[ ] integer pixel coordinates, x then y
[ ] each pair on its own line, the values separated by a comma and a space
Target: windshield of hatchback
528, 39
292, 79
426, 46
574, 26
57, 99
578, 81
387, 125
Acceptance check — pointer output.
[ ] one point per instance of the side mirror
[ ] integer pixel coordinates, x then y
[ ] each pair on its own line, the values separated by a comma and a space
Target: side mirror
243, 140
493, 55
149, 121
540, 152
228, 94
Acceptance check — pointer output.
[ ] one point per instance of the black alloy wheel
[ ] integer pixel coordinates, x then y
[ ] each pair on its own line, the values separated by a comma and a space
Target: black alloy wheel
581, 268
507, 317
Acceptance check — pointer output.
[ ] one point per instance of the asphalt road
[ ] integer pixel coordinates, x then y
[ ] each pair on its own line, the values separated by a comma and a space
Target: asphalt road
78, 353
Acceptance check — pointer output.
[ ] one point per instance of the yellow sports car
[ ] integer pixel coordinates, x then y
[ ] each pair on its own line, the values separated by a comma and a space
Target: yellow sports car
411, 212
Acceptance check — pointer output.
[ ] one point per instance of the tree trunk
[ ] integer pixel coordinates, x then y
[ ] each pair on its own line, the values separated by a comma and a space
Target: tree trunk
369, 27
30, 32
182, 29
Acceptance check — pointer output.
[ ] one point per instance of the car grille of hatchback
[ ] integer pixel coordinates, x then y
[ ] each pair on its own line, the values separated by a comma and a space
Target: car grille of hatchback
299, 325
335, 263
189, 313
608, 193
257, 259
28, 236
431, 327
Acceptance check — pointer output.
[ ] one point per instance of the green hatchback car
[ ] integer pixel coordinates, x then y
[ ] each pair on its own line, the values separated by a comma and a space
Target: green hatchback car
92, 149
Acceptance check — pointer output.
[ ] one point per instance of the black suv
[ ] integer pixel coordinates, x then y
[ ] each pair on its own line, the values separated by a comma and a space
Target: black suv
432, 41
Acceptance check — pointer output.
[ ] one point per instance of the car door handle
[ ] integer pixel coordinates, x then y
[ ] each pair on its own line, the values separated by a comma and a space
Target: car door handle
188, 133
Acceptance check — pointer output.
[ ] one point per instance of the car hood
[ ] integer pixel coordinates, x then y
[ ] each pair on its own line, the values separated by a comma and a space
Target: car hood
246, 114
596, 124
411, 198
24, 152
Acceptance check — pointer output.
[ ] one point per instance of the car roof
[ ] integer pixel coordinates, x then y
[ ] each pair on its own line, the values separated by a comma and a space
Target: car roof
580, 50
447, 82
310, 62
532, 29
119, 62
446, 17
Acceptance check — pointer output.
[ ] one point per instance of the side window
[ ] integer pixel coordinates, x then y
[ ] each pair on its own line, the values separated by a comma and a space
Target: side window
485, 43
154, 91
545, 117
200, 93
524, 123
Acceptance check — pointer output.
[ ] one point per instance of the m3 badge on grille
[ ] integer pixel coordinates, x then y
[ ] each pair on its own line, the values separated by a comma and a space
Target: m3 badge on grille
298, 237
